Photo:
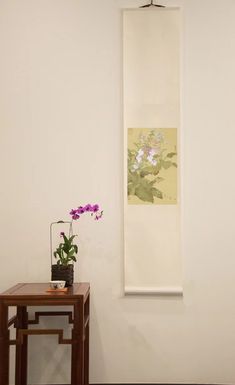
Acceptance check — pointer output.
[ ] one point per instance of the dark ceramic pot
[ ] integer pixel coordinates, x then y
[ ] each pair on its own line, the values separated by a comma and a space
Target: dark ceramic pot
62, 273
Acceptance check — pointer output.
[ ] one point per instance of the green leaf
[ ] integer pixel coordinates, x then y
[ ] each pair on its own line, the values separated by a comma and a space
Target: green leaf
65, 238
152, 182
159, 179
166, 164
158, 167
146, 171
171, 154
134, 178
157, 193
156, 172
174, 164
131, 189
71, 239
144, 194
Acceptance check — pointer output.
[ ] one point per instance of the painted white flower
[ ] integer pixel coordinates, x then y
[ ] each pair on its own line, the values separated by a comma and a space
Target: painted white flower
152, 152
140, 152
135, 167
139, 155
151, 160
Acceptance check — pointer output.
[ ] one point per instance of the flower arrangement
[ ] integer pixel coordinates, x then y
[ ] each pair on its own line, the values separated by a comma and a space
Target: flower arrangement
66, 251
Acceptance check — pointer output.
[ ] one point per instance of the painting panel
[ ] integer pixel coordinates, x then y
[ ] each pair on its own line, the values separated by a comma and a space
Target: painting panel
152, 166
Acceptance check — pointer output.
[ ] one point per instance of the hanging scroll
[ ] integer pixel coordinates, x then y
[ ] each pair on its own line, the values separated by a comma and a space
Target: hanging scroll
151, 56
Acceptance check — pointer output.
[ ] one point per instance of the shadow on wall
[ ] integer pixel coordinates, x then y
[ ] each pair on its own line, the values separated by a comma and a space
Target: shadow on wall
49, 362
96, 347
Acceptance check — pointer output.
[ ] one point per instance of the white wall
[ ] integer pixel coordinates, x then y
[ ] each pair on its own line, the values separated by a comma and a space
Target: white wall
61, 145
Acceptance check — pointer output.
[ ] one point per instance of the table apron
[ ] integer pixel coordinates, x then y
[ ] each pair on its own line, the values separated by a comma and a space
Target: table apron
31, 302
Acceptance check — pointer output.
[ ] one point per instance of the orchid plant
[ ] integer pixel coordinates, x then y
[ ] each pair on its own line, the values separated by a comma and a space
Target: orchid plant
66, 251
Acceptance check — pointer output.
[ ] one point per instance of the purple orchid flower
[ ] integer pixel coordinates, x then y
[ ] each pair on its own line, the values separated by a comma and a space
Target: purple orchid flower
97, 217
75, 216
95, 208
88, 207
80, 210
75, 213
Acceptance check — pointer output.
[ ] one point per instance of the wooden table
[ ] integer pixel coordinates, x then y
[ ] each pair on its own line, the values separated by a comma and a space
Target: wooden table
35, 294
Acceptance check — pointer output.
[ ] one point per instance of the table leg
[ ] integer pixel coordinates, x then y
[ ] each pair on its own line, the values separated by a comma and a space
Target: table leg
86, 356
21, 350
4, 345
86, 342
77, 364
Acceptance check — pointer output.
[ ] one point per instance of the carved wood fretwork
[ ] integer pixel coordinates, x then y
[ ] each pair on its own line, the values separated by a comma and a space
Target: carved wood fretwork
22, 332
39, 314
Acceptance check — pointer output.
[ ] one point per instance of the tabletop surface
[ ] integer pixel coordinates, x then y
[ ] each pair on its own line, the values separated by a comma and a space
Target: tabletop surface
34, 290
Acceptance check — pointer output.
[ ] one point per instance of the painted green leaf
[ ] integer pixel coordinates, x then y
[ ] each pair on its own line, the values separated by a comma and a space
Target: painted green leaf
166, 164
159, 179
157, 193
174, 164
152, 183
157, 168
156, 172
131, 189
144, 194
133, 178
171, 154
146, 171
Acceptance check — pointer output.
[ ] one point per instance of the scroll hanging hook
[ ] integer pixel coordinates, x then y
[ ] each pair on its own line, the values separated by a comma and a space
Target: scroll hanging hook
152, 4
